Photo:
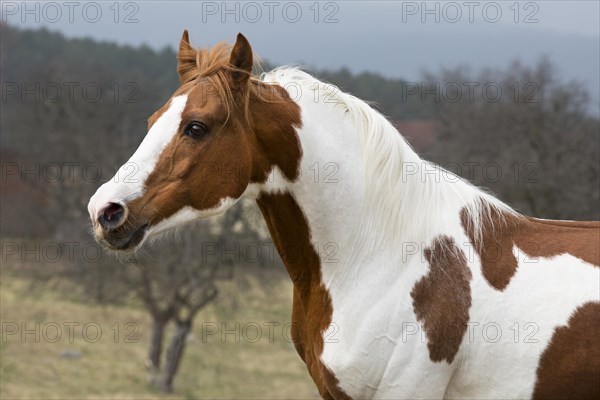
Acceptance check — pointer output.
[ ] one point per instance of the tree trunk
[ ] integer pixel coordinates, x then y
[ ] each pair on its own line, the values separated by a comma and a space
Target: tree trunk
156, 342
175, 353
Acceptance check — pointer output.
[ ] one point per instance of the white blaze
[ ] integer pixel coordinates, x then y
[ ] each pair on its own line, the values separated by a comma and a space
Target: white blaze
128, 182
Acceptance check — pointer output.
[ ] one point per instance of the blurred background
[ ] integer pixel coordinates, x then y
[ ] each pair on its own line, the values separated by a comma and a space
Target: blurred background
505, 94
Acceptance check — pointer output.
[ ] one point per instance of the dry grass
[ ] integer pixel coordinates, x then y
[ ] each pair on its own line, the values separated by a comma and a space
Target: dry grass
112, 367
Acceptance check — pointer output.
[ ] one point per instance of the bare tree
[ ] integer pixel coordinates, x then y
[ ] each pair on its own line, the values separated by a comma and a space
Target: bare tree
530, 139
176, 281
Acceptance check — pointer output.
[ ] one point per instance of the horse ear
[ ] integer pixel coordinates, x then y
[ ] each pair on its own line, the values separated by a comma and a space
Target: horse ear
186, 58
241, 60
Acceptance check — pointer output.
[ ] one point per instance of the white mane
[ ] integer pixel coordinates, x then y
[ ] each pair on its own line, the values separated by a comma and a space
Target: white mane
405, 206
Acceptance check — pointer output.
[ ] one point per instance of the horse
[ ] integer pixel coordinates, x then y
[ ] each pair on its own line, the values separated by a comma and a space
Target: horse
405, 285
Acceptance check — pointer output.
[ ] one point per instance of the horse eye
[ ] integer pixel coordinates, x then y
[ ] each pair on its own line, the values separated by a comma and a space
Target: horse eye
196, 130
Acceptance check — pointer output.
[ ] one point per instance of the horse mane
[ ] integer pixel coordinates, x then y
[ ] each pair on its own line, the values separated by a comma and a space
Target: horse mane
402, 206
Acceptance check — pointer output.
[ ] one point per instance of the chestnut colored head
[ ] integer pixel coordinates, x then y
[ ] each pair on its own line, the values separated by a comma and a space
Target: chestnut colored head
204, 147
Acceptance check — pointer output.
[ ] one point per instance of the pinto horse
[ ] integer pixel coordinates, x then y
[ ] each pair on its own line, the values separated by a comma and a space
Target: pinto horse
435, 289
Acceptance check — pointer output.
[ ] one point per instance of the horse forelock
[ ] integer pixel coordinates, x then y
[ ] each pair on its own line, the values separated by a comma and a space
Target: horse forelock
213, 66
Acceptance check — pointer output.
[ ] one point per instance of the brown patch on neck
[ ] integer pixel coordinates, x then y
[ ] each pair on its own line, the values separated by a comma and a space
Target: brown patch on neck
442, 299
275, 118
312, 308
569, 368
536, 238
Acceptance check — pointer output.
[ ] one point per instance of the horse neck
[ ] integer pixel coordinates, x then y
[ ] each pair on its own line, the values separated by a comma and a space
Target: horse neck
328, 194
362, 190
325, 208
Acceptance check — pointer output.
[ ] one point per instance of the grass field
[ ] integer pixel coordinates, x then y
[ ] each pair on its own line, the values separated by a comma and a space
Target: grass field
39, 325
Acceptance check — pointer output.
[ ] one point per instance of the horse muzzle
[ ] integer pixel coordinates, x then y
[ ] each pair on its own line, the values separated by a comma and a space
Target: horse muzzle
115, 229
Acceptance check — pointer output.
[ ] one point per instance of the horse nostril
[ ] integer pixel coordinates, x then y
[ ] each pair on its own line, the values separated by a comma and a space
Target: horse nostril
112, 216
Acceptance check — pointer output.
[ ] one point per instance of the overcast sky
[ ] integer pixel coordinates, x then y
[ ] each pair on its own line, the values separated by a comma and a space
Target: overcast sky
395, 38
156, 20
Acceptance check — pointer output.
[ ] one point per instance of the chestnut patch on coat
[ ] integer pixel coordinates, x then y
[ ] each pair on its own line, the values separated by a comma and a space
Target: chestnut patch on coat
312, 307
569, 368
442, 298
501, 231
274, 118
